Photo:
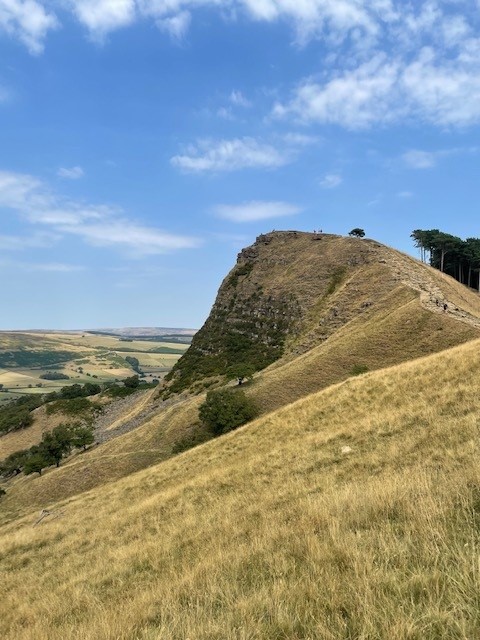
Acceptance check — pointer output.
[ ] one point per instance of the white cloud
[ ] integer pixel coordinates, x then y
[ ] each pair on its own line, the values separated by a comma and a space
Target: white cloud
55, 267
74, 173
417, 159
225, 113
429, 87
331, 180
256, 210
239, 100
420, 159
97, 225
103, 16
19, 243
176, 26
389, 60
27, 20
230, 155
354, 99
134, 237
405, 194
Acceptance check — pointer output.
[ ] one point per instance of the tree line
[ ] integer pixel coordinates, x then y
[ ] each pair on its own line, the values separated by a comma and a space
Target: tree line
54, 446
450, 254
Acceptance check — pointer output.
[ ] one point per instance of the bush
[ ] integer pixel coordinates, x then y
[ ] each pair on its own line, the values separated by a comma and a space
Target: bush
226, 409
241, 372
358, 369
54, 375
132, 382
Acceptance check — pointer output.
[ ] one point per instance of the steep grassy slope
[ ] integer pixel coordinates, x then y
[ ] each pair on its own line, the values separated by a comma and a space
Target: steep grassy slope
381, 312
353, 513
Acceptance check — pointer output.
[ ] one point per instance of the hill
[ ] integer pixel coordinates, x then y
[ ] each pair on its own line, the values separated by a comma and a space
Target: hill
352, 513
381, 312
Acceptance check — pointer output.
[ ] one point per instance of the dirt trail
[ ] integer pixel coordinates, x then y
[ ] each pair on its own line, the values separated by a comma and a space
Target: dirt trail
127, 414
424, 279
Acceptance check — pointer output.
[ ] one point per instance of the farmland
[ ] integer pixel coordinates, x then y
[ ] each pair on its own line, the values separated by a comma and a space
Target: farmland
27, 357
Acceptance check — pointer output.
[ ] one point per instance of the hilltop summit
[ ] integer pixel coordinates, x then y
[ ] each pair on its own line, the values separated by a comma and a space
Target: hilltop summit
291, 291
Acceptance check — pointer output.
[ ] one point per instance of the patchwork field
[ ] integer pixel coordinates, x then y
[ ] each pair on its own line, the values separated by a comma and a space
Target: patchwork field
25, 357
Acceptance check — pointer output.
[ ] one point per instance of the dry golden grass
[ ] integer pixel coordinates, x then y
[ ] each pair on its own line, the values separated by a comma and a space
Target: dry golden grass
26, 438
117, 458
277, 531
395, 330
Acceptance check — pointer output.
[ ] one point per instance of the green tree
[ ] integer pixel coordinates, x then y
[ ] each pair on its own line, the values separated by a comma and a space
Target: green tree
226, 409
13, 464
35, 463
82, 436
132, 382
357, 233
241, 372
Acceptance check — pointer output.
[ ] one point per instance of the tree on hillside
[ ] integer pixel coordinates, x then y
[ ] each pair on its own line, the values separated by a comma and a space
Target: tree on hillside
450, 254
35, 463
82, 436
357, 233
56, 444
226, 409
241, 372
14, 463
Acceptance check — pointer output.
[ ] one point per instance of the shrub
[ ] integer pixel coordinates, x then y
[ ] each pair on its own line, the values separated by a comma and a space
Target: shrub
132, 382
358, 369
226, 409
54, 375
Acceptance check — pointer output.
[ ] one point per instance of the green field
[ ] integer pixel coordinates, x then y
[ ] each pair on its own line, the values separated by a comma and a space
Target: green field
83, 356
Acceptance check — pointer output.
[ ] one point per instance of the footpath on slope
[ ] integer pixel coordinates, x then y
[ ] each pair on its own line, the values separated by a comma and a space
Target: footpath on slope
424, 279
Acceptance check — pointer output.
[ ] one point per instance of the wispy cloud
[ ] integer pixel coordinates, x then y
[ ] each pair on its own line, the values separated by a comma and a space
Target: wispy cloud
256, 210
430, 88
55, 267
35, 267
230, 155
420, 159
417, 159
239, 100
101, 225
331, 181
405, 194
73, 173
28, 21
176, 26
20, 243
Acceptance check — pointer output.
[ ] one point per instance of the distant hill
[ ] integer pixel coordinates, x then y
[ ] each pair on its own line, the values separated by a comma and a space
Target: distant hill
138, 332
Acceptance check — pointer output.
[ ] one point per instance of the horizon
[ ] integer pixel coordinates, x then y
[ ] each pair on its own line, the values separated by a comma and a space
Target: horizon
145, 143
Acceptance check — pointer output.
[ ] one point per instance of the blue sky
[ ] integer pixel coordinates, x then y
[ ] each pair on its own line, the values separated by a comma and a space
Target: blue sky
144, 142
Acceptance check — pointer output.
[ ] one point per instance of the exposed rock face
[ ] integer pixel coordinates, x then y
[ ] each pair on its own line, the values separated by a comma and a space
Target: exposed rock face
263, 303
288, 293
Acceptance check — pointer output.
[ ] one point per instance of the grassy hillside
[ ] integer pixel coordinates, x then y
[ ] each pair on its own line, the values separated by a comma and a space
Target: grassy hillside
353, 513
382, 312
